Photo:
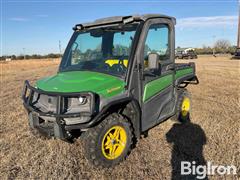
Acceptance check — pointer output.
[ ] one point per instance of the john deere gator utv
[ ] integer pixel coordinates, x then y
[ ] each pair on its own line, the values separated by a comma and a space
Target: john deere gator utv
117, 79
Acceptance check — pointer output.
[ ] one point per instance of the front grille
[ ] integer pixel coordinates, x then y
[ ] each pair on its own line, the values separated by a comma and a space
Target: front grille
56, 104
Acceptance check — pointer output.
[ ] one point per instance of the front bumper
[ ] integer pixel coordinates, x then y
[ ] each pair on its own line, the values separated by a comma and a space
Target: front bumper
56, 126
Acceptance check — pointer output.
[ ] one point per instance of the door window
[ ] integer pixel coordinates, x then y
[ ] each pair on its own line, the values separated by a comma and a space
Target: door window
157, 41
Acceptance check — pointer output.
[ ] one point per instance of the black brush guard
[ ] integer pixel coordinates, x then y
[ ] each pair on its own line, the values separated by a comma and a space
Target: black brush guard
57, 128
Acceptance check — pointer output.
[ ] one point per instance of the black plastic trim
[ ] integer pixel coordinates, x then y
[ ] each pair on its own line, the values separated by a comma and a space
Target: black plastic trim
99, 116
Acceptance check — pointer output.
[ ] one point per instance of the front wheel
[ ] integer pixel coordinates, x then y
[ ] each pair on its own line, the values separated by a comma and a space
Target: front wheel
108, 143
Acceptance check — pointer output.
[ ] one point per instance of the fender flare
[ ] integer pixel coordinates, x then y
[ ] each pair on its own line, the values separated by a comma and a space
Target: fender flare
136, 122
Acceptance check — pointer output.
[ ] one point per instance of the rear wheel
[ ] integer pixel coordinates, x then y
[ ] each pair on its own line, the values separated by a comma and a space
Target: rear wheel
108, 143
183, 107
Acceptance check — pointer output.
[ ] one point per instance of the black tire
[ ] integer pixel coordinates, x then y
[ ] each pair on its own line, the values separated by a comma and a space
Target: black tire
182, 116
94, 139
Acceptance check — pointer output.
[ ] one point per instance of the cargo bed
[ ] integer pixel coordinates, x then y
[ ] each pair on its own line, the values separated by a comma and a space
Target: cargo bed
185, 74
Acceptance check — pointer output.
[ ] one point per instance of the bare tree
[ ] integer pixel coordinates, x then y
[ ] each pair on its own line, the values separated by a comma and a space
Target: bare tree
222, 45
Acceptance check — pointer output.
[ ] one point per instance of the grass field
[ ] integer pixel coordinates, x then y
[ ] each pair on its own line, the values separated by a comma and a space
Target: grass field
213, 135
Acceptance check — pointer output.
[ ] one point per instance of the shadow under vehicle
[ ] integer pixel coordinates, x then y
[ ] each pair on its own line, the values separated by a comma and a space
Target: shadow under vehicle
117, 79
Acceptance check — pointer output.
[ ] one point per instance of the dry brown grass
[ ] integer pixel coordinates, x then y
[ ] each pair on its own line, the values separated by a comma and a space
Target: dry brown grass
215, 111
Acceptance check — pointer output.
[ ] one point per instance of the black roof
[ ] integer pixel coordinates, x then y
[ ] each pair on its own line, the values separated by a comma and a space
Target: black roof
121, 19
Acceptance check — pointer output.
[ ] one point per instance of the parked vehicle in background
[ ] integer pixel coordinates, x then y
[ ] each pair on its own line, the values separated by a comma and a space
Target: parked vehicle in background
236, 55
187, 53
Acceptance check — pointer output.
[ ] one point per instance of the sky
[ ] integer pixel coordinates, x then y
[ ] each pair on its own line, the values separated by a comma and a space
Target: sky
37, 26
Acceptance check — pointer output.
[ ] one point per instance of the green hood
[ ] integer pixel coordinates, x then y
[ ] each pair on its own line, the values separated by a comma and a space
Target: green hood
79, 81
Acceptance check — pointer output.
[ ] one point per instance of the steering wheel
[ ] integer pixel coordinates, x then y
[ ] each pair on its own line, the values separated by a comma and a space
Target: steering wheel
120, 66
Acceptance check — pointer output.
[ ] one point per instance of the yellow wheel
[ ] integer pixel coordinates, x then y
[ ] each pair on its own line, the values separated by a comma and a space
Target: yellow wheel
185, 106
114, 142
108, 143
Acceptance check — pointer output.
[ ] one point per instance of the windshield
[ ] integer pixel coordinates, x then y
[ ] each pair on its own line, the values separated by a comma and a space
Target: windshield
104, 50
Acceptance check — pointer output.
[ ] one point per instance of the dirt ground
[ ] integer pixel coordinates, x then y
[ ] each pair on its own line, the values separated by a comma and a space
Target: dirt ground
213, 134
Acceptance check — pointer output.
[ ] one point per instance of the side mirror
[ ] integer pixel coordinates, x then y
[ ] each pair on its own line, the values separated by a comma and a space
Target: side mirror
153, 61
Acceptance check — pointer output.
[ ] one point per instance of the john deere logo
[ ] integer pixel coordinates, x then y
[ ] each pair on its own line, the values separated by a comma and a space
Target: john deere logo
113, 89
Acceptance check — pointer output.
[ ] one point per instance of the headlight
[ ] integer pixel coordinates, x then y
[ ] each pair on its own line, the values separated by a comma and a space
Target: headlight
79, 104
45, 103
82, 100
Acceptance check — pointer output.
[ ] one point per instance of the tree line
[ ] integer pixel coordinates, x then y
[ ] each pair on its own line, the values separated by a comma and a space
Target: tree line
33, 56
221, 46
210, 50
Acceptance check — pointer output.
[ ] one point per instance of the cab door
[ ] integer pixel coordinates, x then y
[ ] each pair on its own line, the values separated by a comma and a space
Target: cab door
158, 85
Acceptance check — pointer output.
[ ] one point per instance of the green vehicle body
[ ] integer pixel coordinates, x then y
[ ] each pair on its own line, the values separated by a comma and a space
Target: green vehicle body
157, 85
102, 84
106, 86
132, 86
81, 81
